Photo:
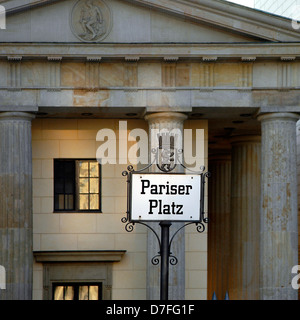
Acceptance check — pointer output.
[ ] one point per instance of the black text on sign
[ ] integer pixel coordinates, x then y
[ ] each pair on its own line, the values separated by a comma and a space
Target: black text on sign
165, 197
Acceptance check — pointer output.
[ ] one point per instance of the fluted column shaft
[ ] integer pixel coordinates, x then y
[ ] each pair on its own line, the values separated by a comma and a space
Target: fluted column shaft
298, 180
16, 204
279, 228
244, 218
219, 228
158, 123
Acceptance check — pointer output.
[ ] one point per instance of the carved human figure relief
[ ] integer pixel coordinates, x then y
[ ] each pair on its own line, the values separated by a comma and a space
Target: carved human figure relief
90, 20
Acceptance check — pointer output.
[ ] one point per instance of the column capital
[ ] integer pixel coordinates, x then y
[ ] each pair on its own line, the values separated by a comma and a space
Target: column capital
165, 116
16, 116
279, 116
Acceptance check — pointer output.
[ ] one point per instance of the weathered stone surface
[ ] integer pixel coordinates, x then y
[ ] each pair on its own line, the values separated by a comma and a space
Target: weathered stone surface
244, 218
181, 22
298, 177
156, 85
16, 204
279, 227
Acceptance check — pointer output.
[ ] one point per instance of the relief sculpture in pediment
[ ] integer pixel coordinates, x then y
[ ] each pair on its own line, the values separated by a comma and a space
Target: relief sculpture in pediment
90, 20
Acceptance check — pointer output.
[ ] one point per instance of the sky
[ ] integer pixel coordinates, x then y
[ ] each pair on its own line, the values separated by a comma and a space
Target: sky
248, 3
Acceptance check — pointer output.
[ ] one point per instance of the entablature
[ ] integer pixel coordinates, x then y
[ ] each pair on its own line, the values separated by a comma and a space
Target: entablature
168, 52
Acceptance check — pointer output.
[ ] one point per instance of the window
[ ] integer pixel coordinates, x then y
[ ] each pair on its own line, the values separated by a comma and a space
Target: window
65, 268
64, 185
77, 291
77, 185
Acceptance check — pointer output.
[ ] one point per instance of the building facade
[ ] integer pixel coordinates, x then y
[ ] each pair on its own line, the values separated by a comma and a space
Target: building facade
83, 86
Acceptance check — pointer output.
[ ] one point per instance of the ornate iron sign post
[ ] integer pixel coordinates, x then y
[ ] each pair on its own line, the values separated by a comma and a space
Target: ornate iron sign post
155, 201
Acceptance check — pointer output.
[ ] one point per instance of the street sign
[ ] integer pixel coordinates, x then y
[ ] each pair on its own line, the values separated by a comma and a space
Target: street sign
165, 197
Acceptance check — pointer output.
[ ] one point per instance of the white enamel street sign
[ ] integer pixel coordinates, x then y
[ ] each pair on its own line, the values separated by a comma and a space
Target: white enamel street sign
165, 197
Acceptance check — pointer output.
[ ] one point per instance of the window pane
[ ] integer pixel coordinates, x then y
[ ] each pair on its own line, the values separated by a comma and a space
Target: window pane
59, 185
74, 182
64, 184
83, 202
56, 202
83, 169
69, 293
61, 201
69, 167
94, 169
77, 291
94, 201
69, 186
94, 185
59, 168
83, 185
69, 202
93, 293
59, 293
83, 293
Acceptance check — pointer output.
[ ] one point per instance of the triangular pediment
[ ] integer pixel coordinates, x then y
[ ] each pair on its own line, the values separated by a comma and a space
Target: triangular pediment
141, 21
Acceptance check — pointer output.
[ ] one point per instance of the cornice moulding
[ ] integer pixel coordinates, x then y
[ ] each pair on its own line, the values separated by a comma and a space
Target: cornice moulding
83, 256
243, 51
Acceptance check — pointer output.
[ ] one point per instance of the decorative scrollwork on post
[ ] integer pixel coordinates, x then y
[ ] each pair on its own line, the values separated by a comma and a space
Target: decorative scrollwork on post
124, 220
200, 227
156, 259
130, 169
166, 167
173, 260
166, 158
129, 227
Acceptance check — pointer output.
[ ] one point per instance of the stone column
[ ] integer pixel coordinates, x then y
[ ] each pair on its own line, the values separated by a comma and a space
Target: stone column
279, 229
218, 226
16, 204
244, 218
158, 123
298, 179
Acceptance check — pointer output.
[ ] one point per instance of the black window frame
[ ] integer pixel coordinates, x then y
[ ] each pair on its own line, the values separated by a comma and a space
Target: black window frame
75, 180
